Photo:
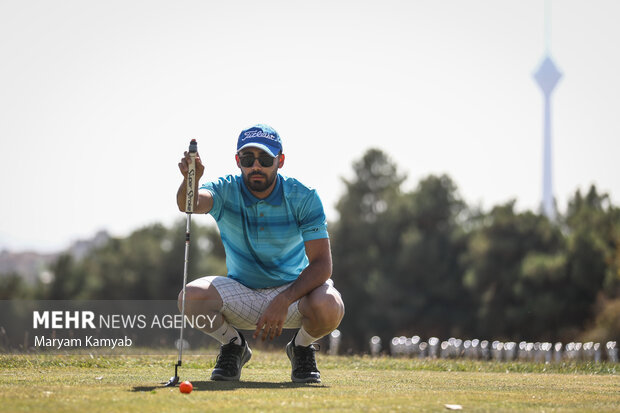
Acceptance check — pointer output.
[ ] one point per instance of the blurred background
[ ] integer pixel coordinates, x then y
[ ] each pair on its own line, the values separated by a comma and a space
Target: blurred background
420, 123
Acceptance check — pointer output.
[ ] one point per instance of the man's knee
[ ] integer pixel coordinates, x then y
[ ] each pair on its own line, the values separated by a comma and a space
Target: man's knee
202, 293
326, 306
192, 293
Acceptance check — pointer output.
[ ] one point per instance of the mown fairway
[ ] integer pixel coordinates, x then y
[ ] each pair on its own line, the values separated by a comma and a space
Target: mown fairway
131, 383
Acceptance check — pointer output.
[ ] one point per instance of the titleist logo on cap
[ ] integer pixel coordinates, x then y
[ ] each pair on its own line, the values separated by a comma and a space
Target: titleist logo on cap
258, 134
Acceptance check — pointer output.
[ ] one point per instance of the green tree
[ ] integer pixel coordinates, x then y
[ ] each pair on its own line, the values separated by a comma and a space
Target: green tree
361, 245
396, 254
428, 287
148, 264
12, 286
68, 282
592, 224
512, 273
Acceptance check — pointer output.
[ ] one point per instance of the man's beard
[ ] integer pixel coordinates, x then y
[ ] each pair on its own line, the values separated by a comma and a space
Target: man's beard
259, 186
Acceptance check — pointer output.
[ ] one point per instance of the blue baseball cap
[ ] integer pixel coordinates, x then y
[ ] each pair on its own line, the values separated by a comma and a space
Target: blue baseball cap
260, 136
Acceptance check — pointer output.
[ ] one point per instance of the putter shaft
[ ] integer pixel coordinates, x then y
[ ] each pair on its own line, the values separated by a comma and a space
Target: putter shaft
189, 198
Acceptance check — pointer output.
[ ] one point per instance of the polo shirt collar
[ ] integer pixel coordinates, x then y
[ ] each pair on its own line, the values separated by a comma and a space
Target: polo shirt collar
275, 198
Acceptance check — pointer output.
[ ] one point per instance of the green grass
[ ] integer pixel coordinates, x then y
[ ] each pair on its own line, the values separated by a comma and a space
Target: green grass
54, 383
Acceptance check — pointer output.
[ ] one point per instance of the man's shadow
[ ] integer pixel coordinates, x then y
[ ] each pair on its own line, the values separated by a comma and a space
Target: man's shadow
232, 385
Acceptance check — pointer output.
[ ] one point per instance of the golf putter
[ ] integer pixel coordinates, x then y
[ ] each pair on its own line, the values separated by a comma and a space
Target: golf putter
189, 209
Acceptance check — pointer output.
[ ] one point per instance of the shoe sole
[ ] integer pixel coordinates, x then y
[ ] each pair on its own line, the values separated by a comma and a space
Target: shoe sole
289, 350
305, 381
246, 357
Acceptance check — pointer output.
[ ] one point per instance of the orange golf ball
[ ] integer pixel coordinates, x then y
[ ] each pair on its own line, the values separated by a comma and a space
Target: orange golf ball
186, 387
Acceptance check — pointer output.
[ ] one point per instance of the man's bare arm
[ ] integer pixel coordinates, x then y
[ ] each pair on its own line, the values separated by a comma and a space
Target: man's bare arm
314, 275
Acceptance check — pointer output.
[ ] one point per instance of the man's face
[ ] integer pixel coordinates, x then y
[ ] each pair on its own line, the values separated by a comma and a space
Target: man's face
258, 178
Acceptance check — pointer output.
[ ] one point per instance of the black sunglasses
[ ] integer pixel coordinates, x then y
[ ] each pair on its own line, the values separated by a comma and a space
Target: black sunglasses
247, 160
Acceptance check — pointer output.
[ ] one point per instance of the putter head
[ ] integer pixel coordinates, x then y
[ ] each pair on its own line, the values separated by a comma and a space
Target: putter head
174, 379
172, 382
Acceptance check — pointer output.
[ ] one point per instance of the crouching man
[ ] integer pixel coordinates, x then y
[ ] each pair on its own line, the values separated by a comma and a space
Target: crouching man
278, 259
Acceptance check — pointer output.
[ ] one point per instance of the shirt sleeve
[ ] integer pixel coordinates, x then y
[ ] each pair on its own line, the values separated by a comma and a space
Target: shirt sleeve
312, 221
216, 189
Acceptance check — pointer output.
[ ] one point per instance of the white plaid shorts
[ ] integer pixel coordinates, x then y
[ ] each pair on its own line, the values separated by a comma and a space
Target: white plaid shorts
243, 306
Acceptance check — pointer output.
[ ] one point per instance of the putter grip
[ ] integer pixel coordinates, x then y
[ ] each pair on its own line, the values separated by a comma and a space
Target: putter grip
191, 177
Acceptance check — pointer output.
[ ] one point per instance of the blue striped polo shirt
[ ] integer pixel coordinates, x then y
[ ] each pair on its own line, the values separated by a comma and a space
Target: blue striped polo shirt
264, 238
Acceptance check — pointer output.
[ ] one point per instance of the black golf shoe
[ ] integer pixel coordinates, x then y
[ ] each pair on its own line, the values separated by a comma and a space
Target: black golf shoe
231, 359
303, 363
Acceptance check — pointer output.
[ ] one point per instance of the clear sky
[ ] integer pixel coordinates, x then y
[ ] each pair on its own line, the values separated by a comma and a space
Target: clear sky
98, 100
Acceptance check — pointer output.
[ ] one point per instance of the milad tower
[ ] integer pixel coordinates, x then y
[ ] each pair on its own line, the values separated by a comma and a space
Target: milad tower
547, 76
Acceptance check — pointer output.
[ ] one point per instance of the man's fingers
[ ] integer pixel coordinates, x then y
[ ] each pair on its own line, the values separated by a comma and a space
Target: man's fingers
198, 163
259, 326
265, 333
185, 162
271, 323
183, 168
267, 330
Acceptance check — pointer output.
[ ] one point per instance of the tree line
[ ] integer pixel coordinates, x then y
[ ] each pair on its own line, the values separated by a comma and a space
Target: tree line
406, 262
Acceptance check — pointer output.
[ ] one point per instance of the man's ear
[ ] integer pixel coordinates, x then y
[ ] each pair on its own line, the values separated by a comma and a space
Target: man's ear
238, 160
280, 160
